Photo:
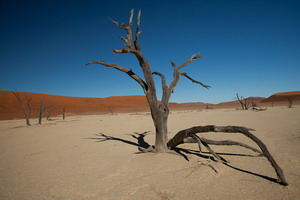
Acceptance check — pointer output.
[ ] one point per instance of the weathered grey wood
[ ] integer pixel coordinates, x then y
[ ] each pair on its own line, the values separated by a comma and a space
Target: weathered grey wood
179, 137
222, 142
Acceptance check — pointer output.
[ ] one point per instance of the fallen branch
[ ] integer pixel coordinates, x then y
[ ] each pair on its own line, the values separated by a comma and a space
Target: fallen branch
181, 135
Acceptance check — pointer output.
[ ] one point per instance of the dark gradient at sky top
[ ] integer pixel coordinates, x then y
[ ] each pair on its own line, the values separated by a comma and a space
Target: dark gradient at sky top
249, 47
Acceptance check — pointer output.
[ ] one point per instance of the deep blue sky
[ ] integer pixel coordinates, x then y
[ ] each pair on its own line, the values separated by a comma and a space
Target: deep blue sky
250, 47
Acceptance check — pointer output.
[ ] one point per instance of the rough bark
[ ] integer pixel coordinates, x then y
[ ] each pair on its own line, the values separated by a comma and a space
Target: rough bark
181, 135
25, 106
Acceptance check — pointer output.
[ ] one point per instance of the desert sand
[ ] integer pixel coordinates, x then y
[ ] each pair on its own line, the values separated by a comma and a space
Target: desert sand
68, 159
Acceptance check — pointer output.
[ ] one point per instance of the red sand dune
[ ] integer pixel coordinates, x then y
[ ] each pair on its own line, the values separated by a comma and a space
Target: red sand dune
283, 97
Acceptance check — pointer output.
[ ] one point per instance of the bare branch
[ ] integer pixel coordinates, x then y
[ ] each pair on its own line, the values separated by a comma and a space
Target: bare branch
173, 64
198, 139
125, 50
191, 59
122, 26
130, 18
129, 72
137, 31
177, 74
163, 80
194, 81
178, 139
222, 142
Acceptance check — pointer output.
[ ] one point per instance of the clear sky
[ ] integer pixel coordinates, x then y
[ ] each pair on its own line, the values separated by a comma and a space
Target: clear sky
251, 47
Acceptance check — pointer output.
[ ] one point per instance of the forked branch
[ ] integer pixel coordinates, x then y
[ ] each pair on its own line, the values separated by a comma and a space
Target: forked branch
177, 74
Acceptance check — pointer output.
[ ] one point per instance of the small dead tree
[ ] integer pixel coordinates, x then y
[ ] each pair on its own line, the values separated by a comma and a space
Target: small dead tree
244, 102
160, 111
290, 101
41, 111
110, 109
255, 107
64, 113
25, 106
48, 110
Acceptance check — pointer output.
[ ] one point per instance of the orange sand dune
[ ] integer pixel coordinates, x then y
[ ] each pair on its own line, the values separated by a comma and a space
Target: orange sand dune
10, 108
283, 97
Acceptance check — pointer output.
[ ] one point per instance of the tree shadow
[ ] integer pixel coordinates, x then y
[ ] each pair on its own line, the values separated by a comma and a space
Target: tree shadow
138, 136
184, 152
180, 151
252, 173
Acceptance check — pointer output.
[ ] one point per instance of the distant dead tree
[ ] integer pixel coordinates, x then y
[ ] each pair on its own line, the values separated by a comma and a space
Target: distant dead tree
255, 107
41, 111
208, 107
290, 101
244, 102
160, 110
25, 106
110, 109
64, 113
48, 110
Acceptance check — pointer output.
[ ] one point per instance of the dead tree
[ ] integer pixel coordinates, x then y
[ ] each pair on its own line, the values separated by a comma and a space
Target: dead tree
244, 102
41, 111
290, 102
64, 113
110, 109
255, 107
25, 106
160, 111
48, 110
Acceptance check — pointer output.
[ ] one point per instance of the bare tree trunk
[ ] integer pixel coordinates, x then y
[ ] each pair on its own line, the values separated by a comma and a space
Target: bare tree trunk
111, 110
290, 102
63, 113
24, 106
48, 109
41, 111
161, 129
241, 102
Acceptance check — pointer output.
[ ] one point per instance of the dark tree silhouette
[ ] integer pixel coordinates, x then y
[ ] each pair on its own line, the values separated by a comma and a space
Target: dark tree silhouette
290, 101
25, 106
160, 111
244, 102
48, 110
41, 111
64, 113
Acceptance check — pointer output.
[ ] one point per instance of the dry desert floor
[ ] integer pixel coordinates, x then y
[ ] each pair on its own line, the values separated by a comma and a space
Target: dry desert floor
70, 160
